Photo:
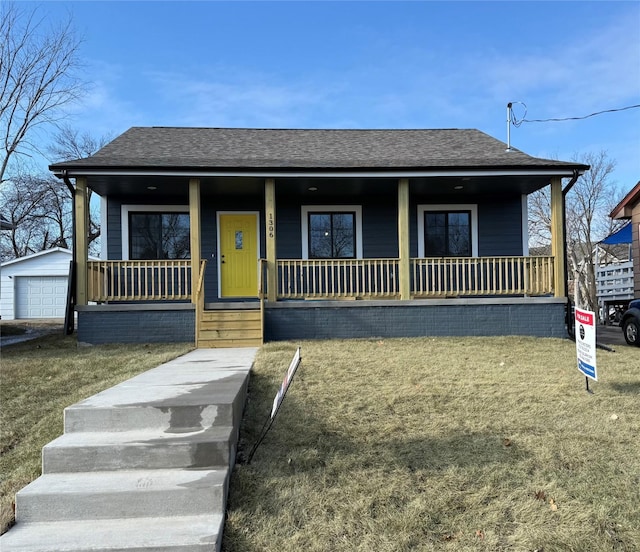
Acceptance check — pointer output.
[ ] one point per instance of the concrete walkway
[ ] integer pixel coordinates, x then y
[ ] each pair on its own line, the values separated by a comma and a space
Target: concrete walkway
142, 466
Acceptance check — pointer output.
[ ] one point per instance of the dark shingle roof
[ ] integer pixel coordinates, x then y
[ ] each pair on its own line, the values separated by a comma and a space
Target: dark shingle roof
235, 148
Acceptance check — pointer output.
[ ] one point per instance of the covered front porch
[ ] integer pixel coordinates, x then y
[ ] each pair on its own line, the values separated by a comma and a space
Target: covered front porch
492, 294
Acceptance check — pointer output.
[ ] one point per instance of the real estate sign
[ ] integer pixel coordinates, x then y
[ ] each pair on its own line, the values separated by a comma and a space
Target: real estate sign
285, 383
586, 343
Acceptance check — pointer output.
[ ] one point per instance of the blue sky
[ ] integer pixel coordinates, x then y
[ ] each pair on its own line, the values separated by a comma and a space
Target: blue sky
367, 65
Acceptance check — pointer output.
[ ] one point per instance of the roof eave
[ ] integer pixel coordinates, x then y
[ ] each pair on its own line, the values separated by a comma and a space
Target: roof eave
621, 211
270, 172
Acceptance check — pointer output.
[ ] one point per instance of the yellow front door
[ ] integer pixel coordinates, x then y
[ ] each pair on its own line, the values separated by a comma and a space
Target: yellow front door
238, 255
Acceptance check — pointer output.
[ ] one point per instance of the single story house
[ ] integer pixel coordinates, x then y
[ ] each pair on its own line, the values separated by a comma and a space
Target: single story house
35, 286
629, 208
228, 236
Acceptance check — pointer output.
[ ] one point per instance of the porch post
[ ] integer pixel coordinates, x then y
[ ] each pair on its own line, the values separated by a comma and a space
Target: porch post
404, 267
81, 239
557, 237
270, 215
194, 234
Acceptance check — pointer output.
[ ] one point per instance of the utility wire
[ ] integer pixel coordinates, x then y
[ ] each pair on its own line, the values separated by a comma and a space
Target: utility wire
517, 122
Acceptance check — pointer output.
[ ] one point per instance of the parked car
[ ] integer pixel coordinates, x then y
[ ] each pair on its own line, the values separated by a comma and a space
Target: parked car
631, 323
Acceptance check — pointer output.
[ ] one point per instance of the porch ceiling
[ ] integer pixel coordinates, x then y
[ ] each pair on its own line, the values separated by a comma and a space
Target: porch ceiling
164, 185
173, 186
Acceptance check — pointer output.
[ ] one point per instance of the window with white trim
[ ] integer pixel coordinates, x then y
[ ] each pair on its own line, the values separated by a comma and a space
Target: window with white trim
155, 232
332, 235
448, 231
331, 232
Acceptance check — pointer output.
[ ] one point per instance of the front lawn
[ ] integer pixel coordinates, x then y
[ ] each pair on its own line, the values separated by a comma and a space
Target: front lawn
484, 444
39, 378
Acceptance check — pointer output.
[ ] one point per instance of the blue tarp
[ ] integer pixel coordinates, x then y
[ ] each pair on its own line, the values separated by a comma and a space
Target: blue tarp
621, 236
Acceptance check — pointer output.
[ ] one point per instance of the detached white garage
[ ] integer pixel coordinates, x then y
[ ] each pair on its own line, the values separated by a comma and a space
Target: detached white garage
35, 286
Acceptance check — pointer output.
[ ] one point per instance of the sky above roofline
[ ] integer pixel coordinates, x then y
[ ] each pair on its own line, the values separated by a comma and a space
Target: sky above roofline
368, 65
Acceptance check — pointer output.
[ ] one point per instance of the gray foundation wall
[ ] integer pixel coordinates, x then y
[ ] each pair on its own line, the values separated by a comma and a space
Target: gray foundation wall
129, 324
540, 317
453, 317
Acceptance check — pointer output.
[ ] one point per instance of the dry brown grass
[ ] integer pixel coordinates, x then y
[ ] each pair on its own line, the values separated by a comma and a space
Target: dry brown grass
38, 379
440, 444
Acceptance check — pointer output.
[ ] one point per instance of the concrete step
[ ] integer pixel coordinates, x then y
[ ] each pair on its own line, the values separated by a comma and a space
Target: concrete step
187, 399
213, 447
122, 494
177, 418
152, 534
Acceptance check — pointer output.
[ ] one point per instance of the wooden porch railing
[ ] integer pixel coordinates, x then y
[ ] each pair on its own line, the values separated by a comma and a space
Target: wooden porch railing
139, 280
333, 278
430, 277
337, 278
468, 276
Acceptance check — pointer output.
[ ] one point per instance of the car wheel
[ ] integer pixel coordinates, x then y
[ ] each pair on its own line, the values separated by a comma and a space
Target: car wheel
631, 331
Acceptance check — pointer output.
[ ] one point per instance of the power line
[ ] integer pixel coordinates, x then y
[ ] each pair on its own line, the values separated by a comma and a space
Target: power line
517, 122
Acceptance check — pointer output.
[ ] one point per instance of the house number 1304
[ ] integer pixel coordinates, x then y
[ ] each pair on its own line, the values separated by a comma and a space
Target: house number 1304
270, 225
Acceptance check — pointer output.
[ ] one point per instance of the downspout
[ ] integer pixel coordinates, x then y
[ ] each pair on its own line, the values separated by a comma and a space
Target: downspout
69, 318
569, 314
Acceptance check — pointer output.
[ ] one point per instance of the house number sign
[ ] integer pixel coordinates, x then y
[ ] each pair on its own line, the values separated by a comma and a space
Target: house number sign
270, 225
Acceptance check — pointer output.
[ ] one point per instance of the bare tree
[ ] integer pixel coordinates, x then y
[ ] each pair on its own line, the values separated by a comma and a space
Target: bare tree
40, 207
69, 144
38, 214
587, 209
38, 79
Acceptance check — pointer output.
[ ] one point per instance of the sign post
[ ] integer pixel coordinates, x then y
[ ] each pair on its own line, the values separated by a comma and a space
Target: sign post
586, 344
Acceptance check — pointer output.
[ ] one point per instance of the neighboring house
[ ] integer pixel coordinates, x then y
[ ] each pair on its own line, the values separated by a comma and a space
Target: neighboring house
614, 274
629, 208
230, 236
35, 286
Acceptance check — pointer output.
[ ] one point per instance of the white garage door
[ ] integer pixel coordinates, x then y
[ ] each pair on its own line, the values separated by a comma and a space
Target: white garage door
41, 296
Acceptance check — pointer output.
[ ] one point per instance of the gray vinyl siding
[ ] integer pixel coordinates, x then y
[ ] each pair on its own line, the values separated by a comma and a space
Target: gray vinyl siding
379, 225
114, 229
288, 229
380, 228
499, 223
500, 227
114, 217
